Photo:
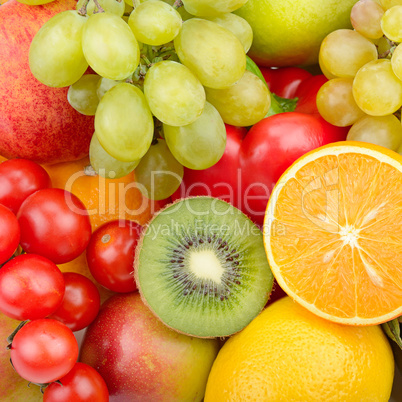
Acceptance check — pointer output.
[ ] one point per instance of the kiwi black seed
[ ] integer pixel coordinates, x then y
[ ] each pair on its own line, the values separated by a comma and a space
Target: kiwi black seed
201, 267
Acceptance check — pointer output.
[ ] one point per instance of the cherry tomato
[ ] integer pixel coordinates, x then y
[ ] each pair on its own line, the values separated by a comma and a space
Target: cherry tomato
19, 178
43, 351
284, 81
82, 384
270, 147
54, 223
31, 287
9, 233
80, 303
110, 254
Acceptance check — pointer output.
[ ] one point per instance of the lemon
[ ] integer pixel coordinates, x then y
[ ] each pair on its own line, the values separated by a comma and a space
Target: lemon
289, 354
289, 32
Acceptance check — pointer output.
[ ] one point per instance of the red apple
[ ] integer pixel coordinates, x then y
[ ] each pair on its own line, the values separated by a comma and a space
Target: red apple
36, 122
143, 360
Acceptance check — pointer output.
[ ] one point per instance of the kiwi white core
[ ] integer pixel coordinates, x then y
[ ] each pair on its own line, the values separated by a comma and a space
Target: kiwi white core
205, 265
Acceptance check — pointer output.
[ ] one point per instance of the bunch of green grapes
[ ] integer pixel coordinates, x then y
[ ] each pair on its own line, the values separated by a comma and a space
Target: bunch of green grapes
167, 77
364, 68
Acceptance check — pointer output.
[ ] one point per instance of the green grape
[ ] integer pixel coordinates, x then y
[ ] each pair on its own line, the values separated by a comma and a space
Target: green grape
391, 23
211, 8
212, 52
396, 61
155, 22
336, 104
124, 123
324, 69
344, 51
34, 2
376, 89
110, 46
104, 84
105, 165
158, 175
201, 144
380, 130
111, 6
386, 4
82, 94
365, 17
55, 55
174, 94
244, 103
238, 26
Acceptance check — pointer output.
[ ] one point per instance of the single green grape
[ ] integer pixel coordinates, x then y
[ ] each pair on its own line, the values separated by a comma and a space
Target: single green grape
111, 6
201, 144
82, 94
159, 174
174, 94
391, 23
324, 69
104, 85
244, 103
155, 22
344, 51
105, 165
211, 8
238, 26
124, 123
396, 61
376, 89
380, 130
110, 46
211, 52
55, 55
336, 104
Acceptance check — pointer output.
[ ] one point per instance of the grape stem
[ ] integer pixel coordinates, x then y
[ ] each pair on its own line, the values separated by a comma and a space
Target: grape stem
83, 10
391, 49
177, 4
99, 8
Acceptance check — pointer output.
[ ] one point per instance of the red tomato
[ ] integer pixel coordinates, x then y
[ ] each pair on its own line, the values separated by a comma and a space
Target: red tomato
80, 303
9, 234
54, 223
43, 351
19, 178
82, 384
31, 287
284, 81
110, 254
270, 147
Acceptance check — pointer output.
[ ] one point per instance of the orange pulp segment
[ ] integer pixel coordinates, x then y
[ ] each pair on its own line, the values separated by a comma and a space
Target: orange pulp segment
333, 233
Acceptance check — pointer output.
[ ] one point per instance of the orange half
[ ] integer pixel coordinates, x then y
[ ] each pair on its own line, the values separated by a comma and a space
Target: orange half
333, 233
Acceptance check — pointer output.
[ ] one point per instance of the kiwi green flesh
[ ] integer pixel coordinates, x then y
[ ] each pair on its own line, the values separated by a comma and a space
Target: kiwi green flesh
202, 268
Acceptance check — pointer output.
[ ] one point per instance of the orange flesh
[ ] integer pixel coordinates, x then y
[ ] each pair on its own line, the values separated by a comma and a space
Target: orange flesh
336, 237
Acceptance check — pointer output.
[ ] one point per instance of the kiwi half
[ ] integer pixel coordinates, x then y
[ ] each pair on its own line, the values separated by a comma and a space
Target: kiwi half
201, 268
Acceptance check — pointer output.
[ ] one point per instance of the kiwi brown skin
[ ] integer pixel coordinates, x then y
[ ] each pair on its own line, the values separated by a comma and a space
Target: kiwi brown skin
138, 284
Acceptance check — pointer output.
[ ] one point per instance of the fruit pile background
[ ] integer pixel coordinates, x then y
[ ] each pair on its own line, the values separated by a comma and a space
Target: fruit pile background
199, 200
